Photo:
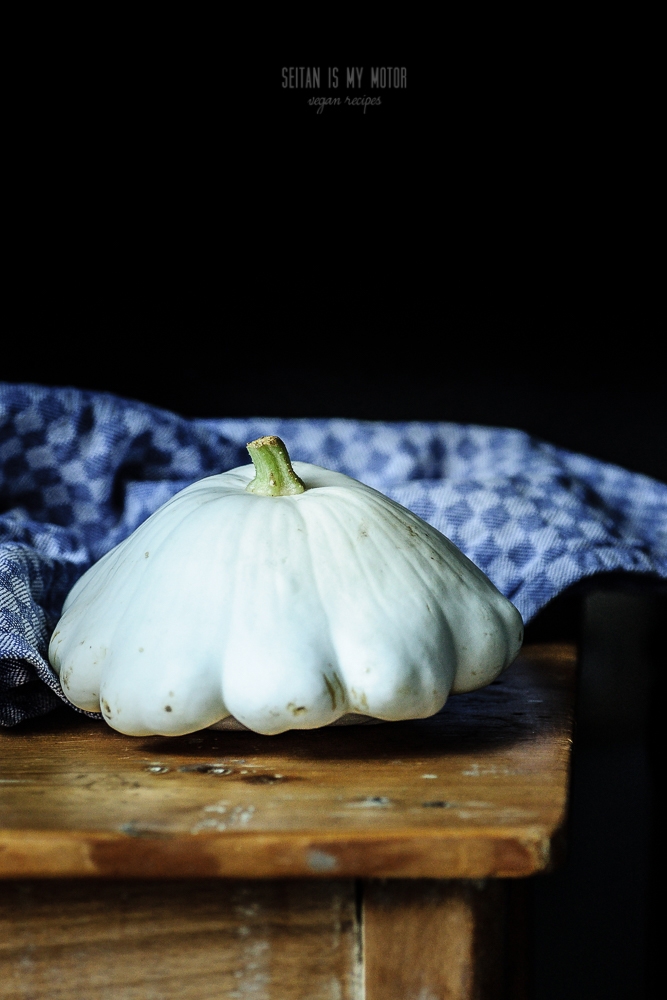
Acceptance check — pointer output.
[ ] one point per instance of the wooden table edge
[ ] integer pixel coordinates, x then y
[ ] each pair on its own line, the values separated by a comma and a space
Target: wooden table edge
484, 852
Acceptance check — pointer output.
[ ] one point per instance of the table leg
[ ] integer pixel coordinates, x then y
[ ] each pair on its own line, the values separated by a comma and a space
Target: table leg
430, 939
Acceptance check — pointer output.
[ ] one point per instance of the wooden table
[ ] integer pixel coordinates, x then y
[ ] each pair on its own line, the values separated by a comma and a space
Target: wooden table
307, 865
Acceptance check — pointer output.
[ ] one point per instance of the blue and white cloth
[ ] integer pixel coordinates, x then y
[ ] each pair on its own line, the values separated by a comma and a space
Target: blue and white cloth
81, 470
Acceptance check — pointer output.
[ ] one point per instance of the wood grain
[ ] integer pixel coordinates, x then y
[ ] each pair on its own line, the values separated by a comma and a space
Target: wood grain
178, 940
434, 940
479, 790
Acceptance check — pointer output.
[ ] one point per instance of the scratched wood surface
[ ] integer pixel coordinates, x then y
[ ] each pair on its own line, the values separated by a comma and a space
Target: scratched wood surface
479, 790
179, 940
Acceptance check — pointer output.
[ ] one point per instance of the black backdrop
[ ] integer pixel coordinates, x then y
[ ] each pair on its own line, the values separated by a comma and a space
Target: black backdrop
481, 247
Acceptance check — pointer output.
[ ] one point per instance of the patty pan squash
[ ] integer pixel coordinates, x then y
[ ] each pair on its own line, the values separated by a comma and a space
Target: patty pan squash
286, 597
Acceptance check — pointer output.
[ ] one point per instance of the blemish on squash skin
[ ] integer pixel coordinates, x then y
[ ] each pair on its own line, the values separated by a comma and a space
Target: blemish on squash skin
167, 708
331, 690
105, 707
338, 682
359, 698
296, 709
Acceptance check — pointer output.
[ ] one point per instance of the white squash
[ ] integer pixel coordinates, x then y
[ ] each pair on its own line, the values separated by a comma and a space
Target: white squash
284, 611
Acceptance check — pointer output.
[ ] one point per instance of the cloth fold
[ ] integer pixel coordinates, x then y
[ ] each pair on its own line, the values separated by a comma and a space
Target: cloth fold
80, 470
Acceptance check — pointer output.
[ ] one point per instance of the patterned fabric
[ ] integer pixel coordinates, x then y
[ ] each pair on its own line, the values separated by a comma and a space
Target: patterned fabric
80, 470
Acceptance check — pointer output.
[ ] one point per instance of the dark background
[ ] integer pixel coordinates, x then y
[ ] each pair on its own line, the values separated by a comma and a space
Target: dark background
481, 248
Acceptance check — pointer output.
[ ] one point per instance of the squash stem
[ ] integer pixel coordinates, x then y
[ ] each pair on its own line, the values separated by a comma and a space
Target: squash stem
274, 475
